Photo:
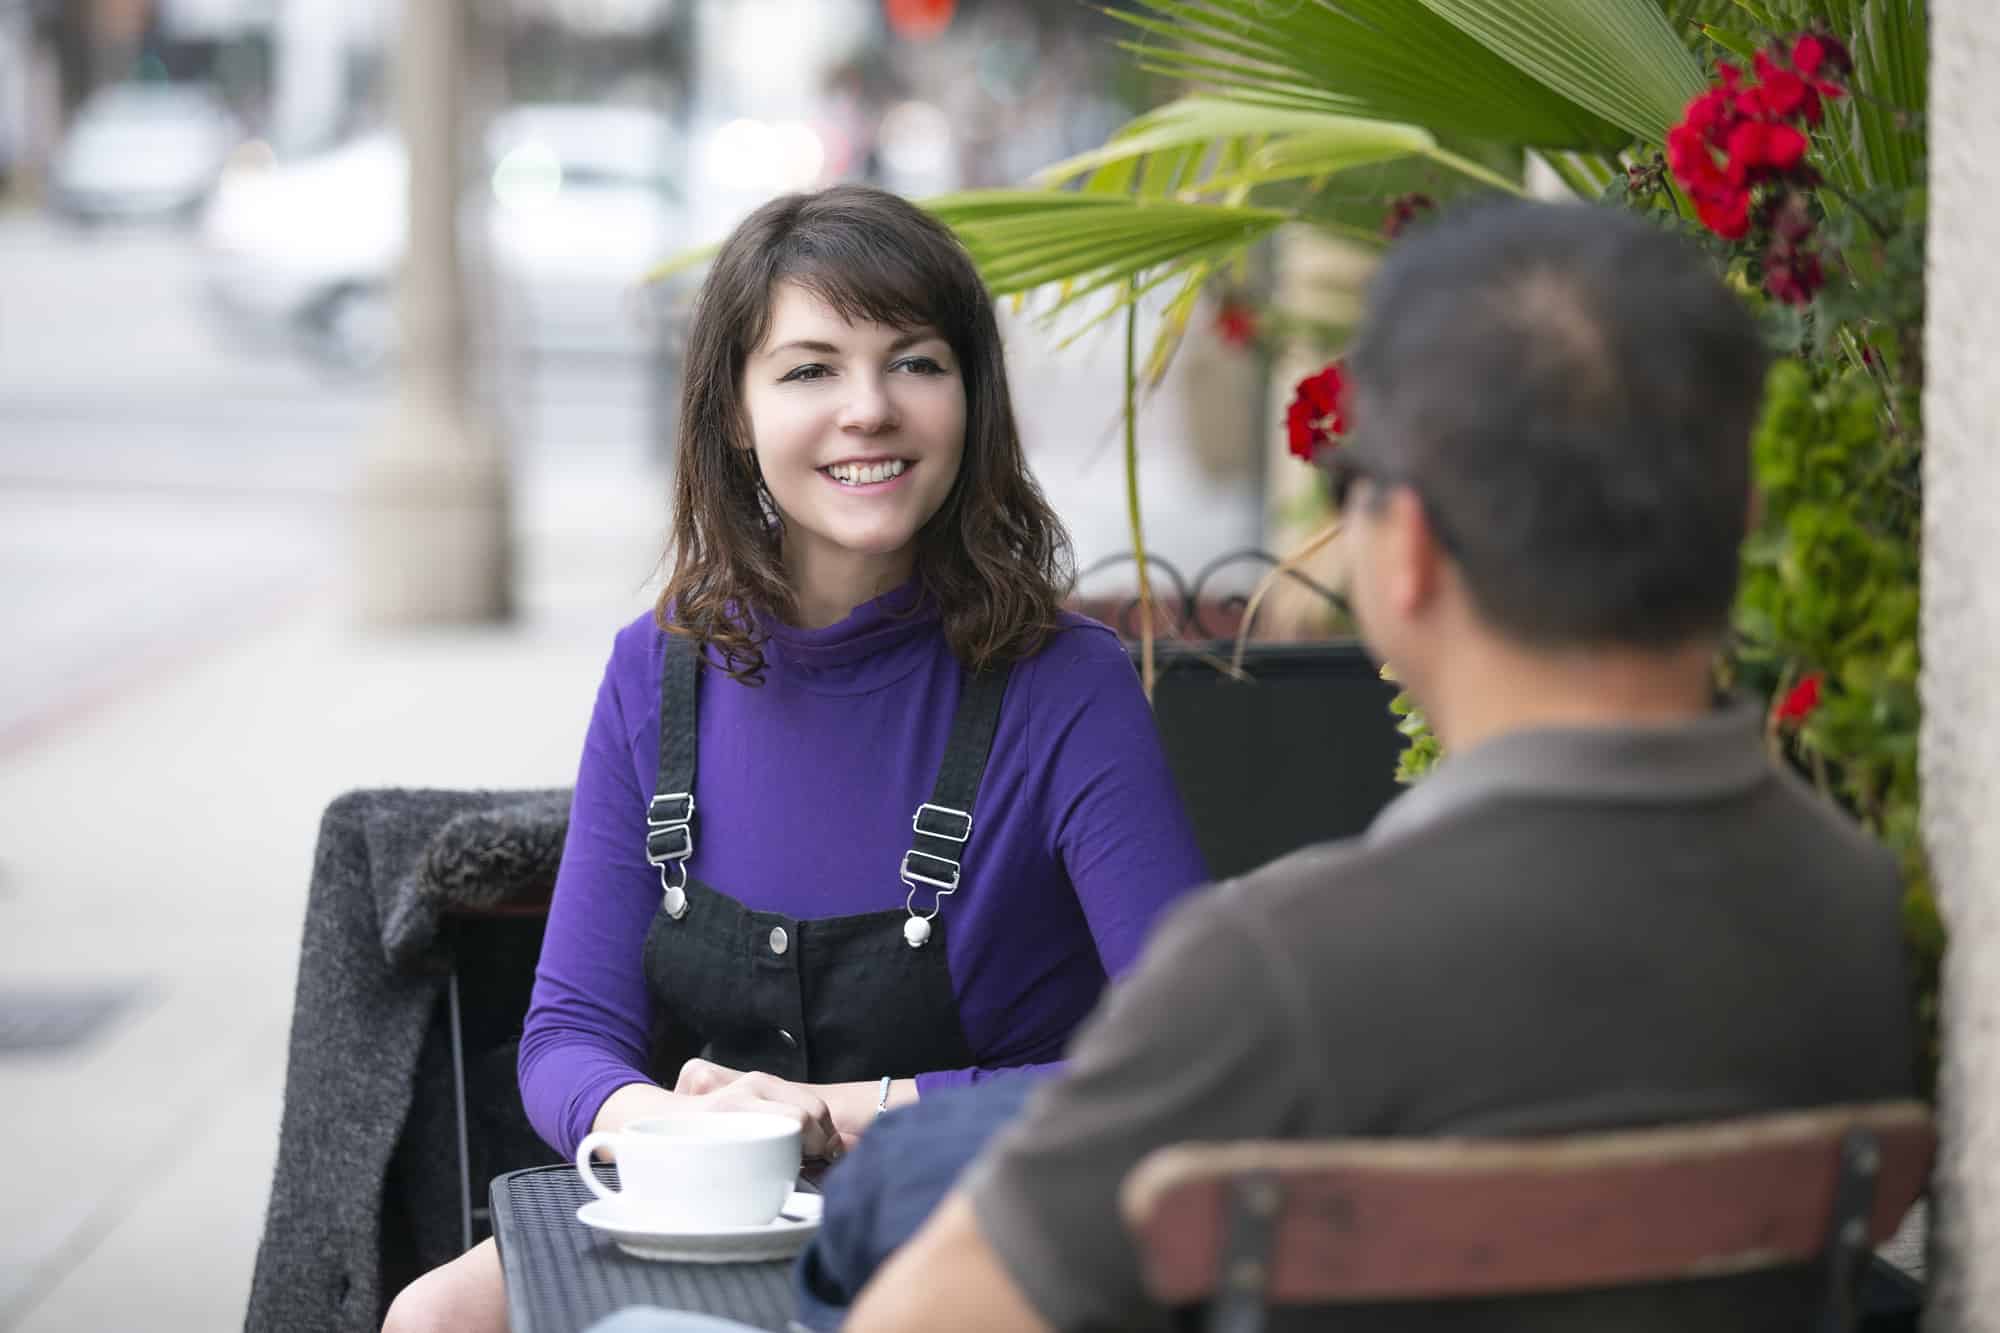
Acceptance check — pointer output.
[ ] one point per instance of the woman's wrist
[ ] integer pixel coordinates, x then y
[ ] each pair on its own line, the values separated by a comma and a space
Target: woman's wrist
854, 1104
634, 1101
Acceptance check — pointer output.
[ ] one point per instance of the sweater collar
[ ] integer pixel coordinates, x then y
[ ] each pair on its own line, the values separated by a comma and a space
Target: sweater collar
875, 633
1707, 758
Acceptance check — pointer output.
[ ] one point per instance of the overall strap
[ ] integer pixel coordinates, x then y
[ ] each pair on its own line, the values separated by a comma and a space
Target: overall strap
670, 815
943, 824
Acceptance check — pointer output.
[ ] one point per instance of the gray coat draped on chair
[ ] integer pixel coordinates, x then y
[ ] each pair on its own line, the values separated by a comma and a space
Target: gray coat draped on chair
369, 1107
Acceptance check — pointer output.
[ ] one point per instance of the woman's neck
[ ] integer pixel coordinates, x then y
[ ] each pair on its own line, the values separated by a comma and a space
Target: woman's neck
828, 585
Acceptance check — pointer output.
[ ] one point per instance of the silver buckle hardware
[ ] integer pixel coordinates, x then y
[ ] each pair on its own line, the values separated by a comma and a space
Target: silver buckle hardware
957, 823
669, 842
942, 865
668, 835
667, 808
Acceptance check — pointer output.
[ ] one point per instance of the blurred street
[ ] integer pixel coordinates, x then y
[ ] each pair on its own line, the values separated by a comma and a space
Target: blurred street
162, 484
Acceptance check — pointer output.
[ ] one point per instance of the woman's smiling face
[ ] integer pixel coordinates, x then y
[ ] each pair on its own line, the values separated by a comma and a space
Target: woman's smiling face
858, 430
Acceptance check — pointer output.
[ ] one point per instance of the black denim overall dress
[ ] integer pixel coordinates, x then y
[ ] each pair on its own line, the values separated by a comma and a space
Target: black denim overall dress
830, 1000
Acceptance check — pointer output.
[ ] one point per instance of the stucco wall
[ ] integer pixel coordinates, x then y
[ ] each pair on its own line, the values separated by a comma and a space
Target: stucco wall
1961, 644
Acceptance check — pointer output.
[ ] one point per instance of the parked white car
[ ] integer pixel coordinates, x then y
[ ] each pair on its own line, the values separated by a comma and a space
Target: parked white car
577, 204
142, 150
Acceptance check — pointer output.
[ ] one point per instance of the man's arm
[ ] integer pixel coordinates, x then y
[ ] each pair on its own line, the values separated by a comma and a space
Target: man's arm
946, 1277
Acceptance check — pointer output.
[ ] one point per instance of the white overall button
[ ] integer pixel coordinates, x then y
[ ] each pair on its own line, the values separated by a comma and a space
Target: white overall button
779, 940
788, 1038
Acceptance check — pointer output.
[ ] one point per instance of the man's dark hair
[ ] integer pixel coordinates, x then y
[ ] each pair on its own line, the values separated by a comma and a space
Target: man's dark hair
1570, 390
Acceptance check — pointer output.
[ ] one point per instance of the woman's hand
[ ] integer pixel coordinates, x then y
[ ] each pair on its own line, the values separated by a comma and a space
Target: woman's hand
849, 1106
742, 1092
717, 1087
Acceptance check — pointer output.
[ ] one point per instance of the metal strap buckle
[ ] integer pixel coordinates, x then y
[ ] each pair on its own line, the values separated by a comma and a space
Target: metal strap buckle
669, 808
669, 842
913, 875
958, 820
669, 835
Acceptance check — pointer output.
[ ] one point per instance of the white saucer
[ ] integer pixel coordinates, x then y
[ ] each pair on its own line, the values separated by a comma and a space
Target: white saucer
631, 1230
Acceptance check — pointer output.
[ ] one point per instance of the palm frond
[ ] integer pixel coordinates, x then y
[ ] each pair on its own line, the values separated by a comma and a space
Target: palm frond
1542, 73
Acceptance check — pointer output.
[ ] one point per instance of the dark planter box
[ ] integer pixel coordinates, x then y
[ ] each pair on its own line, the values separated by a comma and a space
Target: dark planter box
1302, 751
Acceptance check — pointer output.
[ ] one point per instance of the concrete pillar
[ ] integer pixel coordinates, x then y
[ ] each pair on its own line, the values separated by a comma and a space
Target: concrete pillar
432, 530
1961, 644
311, 47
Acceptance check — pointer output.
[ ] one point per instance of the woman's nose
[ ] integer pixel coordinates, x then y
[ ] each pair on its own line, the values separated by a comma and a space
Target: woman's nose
868, 408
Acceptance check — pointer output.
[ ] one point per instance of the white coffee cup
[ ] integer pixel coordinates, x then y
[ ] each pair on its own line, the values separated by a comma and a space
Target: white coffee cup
699, 1169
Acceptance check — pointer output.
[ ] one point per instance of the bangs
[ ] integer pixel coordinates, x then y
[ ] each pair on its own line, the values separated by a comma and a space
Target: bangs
867, 278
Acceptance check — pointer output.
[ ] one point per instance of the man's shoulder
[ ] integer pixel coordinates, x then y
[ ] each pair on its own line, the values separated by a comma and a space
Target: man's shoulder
1293, 907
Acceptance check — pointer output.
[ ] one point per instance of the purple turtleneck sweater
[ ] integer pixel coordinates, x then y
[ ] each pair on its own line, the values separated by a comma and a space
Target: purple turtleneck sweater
806, 785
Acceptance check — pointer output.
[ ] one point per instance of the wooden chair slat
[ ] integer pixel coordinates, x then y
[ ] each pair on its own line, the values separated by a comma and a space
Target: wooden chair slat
1377, 1220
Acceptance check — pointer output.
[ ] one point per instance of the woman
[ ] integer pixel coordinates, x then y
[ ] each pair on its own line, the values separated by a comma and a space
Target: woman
932, 814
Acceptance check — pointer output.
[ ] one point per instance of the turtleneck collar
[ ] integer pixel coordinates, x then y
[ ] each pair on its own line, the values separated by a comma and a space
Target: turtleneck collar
869, 647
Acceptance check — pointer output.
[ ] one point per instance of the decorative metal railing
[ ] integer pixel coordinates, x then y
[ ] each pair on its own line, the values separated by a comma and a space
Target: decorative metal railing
1196, 608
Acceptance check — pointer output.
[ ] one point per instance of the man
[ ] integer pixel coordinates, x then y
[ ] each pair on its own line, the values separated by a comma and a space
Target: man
1606, 908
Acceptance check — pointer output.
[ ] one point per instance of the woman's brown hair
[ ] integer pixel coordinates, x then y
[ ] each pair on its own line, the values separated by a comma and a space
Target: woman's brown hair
994, 559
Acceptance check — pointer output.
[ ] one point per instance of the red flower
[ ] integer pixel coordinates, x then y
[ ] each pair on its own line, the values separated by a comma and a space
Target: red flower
1808, 54
1236, 324
1792, 275
1755, 126
1759, 150
1783, 94
1710, 115
1403, 210
1813, 51
1727, 215
1800, 701
1784, 148
1786, 218
1317, 417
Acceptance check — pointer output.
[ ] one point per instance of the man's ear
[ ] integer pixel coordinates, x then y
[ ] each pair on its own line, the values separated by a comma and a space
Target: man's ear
1416, 557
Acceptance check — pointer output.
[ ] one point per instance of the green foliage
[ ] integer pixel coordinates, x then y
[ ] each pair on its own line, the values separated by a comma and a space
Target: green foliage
1830, 588
1424, 748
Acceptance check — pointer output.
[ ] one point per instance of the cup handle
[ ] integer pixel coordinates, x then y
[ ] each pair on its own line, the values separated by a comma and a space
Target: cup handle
591, 1142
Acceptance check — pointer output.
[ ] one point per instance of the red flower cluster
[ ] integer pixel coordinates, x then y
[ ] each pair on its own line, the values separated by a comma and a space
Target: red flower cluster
1317, 417
1800, 701
1236, 324
1743, 134
1405, 209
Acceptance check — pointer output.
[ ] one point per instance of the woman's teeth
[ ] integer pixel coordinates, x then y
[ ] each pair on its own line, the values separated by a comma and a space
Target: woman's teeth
866, 474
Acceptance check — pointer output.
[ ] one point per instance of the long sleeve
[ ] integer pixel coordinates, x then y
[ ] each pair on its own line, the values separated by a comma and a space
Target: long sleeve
1111, 812
587, 1024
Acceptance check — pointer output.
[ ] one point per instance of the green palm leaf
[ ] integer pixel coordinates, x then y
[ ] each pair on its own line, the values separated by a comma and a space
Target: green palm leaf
1620, 60
1201, 146
1889, 40
1542, 73
1025, 239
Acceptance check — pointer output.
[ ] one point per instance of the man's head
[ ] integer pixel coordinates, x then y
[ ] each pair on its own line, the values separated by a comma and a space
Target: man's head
1552, 408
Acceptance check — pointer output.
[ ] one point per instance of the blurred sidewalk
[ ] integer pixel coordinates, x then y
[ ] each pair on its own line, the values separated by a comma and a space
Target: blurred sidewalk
162, 837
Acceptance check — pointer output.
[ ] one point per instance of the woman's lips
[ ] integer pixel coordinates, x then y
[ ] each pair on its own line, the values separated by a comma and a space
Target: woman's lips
870, 471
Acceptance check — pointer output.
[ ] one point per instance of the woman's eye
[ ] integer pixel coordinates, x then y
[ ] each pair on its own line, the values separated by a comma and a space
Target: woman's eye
811, 372
921, 365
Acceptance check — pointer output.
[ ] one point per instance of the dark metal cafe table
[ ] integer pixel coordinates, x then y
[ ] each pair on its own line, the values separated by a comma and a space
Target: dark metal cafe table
562, 1276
